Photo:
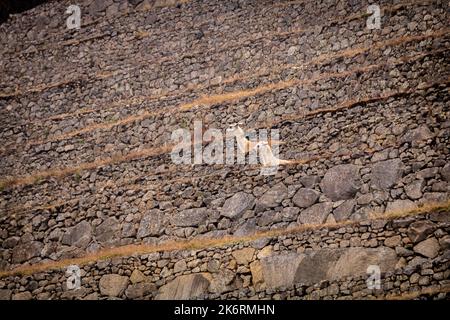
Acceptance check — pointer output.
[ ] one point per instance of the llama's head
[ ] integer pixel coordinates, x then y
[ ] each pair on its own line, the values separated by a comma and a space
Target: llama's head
236, 129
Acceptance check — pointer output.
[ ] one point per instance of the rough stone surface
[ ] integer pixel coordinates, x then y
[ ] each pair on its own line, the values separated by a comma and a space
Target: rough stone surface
151, 224
305, 198
315, 214
189, 217
428, 248
140, 290
243, 256
26, 251
279, 270
386, 173
79, 235
272, 197
420, 230
113, 285
184, 287
235, 206
400, 206
341, 182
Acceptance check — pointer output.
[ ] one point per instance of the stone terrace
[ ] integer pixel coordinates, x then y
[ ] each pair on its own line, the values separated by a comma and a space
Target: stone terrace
86, 176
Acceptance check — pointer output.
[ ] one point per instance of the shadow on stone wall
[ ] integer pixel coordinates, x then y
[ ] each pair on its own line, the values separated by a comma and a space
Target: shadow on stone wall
8, 7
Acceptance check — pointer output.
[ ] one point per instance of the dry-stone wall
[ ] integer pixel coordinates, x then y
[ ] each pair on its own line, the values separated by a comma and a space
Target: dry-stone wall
328, 263
86, 121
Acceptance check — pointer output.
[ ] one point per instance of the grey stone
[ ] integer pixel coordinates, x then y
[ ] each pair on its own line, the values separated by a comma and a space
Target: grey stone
246, 228
428, 248
80, 235
137, 276
403, 252
420, 230
445, 172
5, 294
309, 181
419, 134
344, 211
443, 216
222, 281
190, 217
289, 214
305, 197
112, 10
152, 224
328, 264
113, 285
213, 265
316, 214
139, 290
272, 198
185, 287
179, 266
22, 296
280, 270
10, 242
386, 173
341, 182
98, 6
445, 242
26, 251
107, 230
414, 190
235, 206
399, 206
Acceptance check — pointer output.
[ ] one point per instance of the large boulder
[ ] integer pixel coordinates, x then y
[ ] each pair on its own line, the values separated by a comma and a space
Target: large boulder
355, 261
341, 182
445, 172
272, 198
152, 224
185, 287
345, 210
428, 248
108, 230
79, 236
235, 206
243, 256
113, 285
386, 173
139, 290
305, 197
398, 206
420, 230
26, 251
279, 270
189, 217
286, 269
316, 214
421, 133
